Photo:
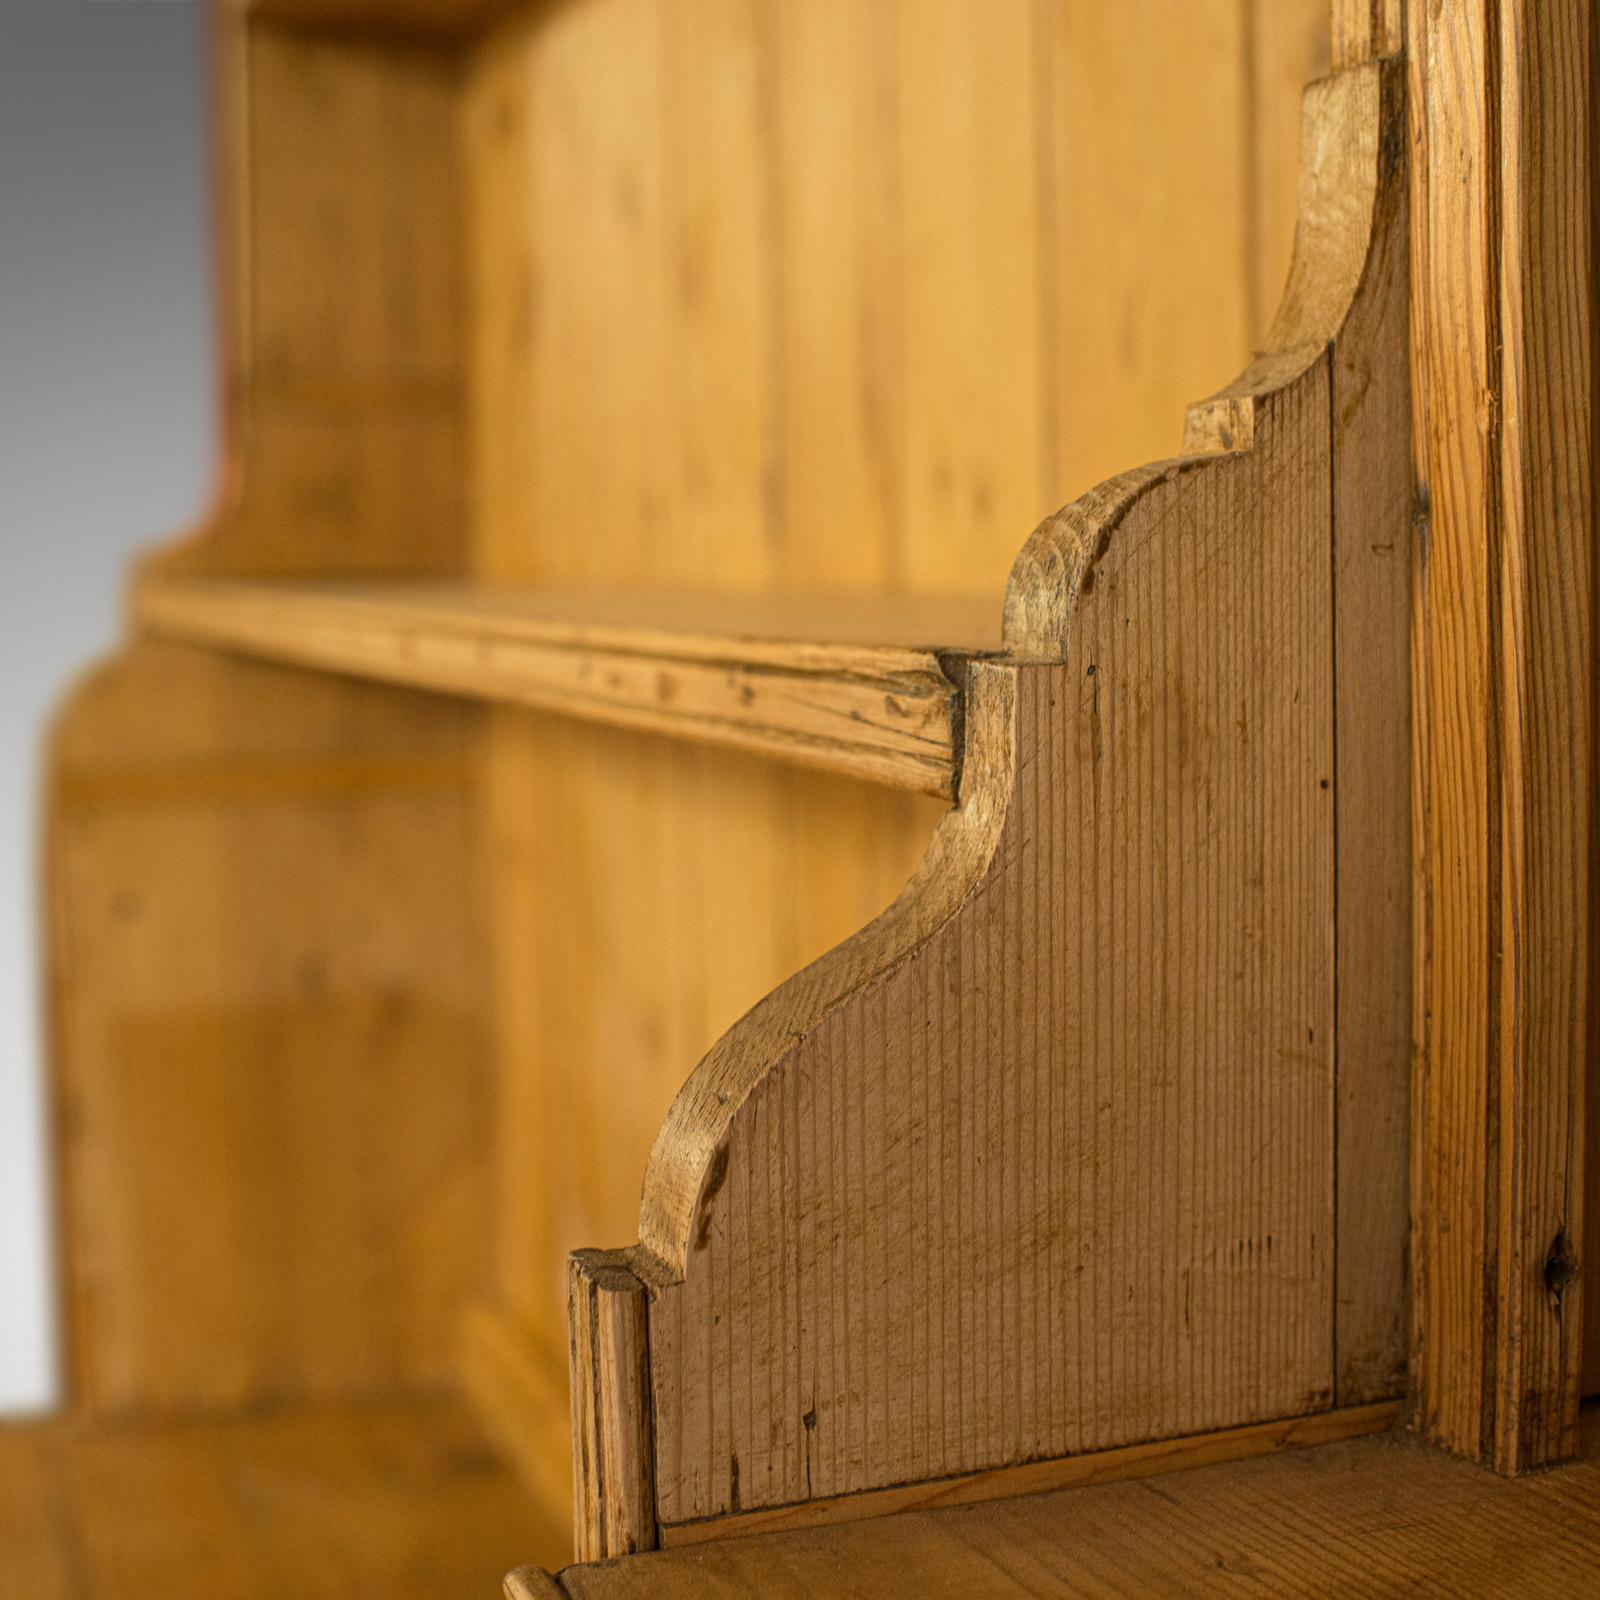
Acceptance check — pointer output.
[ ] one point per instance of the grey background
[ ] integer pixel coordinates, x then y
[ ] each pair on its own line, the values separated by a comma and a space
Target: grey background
107, 439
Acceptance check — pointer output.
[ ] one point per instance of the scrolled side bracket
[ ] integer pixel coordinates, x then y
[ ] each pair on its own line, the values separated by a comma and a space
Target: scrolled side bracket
1043, 1161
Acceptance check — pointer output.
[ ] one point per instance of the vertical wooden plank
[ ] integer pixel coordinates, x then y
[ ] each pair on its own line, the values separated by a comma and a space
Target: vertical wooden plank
720, 225
1147, 153
1453, 704
231, 846
1547, 688
1504, 373
599, 432
1590, 1280
496, 120
840, 261
973, 444
539, 832
348, 407
613, 1462
1372, 555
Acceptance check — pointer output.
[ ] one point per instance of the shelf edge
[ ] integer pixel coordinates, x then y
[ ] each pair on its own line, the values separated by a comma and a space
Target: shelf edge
884, 714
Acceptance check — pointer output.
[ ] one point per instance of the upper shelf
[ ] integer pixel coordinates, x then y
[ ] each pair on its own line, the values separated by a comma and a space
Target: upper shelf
854, 685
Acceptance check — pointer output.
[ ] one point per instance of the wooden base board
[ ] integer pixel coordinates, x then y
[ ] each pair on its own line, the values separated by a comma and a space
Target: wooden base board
522, 1401
1039, 1477
1375, 1516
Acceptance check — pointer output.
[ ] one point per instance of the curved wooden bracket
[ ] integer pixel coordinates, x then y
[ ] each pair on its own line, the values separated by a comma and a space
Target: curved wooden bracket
1066, 1149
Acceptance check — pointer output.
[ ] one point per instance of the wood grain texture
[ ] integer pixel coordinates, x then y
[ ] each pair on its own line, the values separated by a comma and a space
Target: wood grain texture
1589, 1281
1367, 30
401, 1500
1547, 667
1345, 302
1373, 552
878, 711
1502, 279
1375, 1516
270, 1056
676, 885
937, 1139
1120, 200
613, 1451
921, 311
1053, 1284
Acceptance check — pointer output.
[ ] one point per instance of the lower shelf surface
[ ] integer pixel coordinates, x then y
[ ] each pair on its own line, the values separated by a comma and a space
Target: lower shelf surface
398, 1500
1371, 1517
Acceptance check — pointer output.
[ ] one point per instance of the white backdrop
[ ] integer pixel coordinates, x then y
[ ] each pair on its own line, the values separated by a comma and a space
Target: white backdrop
106, 440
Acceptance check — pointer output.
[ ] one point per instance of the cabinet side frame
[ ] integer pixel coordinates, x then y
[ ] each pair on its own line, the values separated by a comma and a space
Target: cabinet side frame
1502, 284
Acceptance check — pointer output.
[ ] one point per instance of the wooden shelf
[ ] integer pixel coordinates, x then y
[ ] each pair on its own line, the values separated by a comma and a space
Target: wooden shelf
865, 686
402, 1499
1373, 1516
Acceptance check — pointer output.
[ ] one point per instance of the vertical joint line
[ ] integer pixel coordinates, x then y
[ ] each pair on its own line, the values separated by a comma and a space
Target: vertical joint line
1493, 1377
648, 1415
1334, 1029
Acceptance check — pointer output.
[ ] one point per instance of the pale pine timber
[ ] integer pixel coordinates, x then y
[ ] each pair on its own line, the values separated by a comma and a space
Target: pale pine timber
1502, 285
274, 1135
743, 674
229, 844
344, 412
735, 383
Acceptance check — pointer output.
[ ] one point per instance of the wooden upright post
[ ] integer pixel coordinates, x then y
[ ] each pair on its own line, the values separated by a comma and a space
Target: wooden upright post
1503, 370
